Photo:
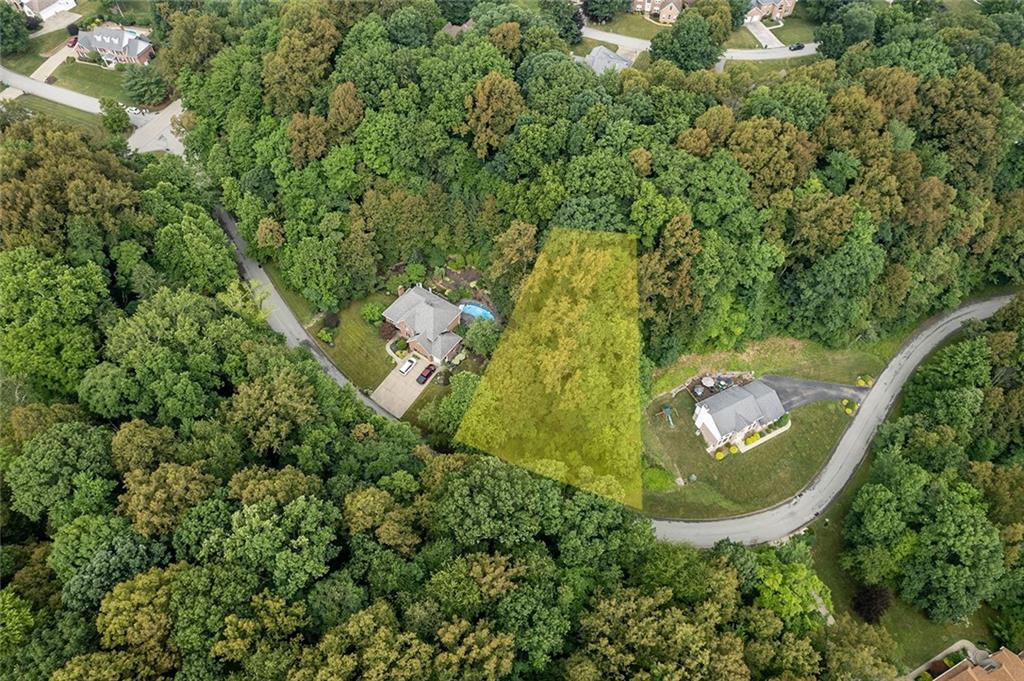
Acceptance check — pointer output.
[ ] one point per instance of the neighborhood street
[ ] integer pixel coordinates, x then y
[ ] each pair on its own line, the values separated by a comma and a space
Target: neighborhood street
790, 516
51, 92
637, 45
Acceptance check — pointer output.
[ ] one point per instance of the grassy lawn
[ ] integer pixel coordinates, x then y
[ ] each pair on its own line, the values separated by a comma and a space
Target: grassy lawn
777, 355
798, 27
961, 6
358, 349
762, 70
91, 122
584, 48
917, 637
741, 39
292, 299
38, 49
741, 483
91, 80
635, 25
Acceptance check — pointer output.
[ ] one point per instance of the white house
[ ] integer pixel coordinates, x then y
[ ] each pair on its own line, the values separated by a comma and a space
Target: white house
734, 413
43, 9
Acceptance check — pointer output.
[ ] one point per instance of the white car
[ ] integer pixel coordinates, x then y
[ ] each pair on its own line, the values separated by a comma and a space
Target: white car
407, 366
133, 110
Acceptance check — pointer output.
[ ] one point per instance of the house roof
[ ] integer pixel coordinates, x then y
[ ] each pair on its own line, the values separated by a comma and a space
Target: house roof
455, 29
116, 39
38, 6
740, 406
671, 3
428, 315
1003, 665
601, 59
762, 3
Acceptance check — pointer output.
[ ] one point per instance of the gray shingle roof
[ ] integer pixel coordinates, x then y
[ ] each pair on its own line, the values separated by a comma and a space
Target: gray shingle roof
740, 406
117, 39
601, 59
429, 316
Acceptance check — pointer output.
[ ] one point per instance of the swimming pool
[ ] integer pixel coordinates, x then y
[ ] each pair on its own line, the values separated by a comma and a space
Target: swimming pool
477, 311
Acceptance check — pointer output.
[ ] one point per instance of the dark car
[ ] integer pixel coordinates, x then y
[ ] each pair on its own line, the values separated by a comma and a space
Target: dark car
426, 374
796, 47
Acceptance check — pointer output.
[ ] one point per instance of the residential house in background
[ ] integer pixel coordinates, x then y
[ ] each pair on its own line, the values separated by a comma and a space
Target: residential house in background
601, 59
775, 9
729, 416
42, 9
115, 45
665, 11
1002, 665
427, 321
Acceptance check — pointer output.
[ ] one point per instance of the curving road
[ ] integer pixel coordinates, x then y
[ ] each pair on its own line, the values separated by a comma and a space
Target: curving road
638, 45
790, 516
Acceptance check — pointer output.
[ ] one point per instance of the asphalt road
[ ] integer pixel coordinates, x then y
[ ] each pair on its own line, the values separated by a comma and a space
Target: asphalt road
790, 516
52, 92
639, 45
279, 316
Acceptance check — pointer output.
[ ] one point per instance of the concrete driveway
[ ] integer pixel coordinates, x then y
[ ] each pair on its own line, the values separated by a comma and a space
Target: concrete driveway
763, 35
396, 392
795, 392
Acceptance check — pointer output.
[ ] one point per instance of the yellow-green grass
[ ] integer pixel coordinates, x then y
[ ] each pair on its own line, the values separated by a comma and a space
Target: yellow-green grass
560, 396
770, 68
92, 123
433, 391
962, 6
741, 39
790, 356
743, 482
635, 25
92, 80
299, 306
39, 48
797, 28
587, 44
917, 638
358, 350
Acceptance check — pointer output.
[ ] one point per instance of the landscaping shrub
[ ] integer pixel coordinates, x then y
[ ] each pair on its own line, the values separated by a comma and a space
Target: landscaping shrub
371, 313
924, 676
752, 438
326, 334
733, 449
871, 602
401, 345
387, 330
415, 272
719, 455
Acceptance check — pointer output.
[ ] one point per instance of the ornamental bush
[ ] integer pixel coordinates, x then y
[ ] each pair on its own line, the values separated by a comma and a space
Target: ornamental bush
371, 313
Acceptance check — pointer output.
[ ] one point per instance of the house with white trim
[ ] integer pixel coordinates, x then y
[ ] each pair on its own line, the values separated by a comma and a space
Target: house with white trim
733, 414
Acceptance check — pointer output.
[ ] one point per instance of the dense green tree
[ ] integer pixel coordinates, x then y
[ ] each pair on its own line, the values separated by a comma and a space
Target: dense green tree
195, 253
115, 118
689, 44
604, 10
49, 313
144, 84
13, 32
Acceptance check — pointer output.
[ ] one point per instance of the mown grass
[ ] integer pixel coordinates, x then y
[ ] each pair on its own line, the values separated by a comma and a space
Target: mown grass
358, 350
741, 39
769, 68
634, 25
797, 28
39, 48
93, 123
790, 356
587, 44
91, 80
741, 483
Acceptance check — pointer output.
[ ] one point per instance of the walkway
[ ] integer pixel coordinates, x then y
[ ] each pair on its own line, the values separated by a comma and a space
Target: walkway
279, 316
795, 392
763, 35
790, 516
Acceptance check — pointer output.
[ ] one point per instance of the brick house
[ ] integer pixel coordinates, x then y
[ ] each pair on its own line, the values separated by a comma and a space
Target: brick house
426, 321
42, 9
667, 11
115, 45
1002, 665
776, 9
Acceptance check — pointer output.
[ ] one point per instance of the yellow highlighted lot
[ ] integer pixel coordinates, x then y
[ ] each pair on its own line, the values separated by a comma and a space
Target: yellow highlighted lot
561, 395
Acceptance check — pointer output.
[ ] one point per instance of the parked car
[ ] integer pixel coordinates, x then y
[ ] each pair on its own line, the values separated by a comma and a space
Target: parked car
426, 374
133, 110
72, 41
407, 366
796, 47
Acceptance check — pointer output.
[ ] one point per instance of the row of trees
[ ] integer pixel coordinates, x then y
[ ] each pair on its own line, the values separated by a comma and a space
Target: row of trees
184, 497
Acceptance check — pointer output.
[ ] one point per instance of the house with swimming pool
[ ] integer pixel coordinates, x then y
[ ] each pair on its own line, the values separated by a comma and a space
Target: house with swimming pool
428, 322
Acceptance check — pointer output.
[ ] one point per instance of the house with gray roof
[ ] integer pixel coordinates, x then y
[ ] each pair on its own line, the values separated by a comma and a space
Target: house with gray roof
42, 9
115, 45
427, 321
729, 416
601, 59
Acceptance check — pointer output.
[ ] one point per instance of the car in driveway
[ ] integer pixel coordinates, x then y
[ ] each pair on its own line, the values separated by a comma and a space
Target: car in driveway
796, 47
426, 374
133, 110
407, 366
72, 41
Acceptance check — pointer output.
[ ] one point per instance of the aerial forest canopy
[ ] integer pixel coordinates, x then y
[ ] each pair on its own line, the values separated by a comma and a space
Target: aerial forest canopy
184, 497
850, 198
